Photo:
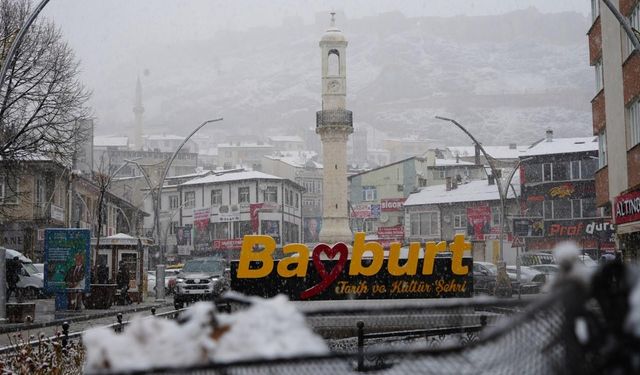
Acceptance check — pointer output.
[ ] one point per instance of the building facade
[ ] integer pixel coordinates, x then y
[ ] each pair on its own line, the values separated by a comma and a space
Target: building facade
559, 196
616, 120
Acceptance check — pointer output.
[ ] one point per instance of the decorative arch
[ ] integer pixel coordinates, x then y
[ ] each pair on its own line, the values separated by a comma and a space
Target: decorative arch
333, 63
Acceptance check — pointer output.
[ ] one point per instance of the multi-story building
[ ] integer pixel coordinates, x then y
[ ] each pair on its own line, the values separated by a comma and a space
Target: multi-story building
616, 119
503, 156
438, 213
559, 195
168, 143
36, 196
286, 142
302, 168
247, 155
218, 210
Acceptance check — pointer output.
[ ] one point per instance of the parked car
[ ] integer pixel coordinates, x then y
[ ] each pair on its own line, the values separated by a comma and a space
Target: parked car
531, 280
201, 279
530, 258
31, 281
484, 277
550, 270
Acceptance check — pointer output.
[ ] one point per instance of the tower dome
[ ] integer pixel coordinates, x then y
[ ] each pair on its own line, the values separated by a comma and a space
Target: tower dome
333, 34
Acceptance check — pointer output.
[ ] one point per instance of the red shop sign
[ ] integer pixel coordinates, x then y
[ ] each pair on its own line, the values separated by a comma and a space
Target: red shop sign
229, 244
391, 232
626, 208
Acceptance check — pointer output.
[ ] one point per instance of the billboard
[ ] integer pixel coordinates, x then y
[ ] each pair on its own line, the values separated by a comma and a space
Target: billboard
528, 227
478, 222
67, 256
183, 240
312, 226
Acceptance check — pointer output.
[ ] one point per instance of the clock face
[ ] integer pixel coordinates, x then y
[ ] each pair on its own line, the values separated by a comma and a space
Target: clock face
333, 86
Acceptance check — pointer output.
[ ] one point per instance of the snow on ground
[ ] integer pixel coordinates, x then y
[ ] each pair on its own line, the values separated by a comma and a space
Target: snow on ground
269, 328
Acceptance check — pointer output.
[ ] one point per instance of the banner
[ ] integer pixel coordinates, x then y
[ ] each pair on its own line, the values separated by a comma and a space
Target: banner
626, 208
392, 204
254, 209
229, 244
183, 240
67, 257
312, 226
396, 232
201, 226
365, 211
478, 222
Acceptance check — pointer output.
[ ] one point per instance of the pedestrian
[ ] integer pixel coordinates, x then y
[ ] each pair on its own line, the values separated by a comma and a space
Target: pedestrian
122, 280
12, 269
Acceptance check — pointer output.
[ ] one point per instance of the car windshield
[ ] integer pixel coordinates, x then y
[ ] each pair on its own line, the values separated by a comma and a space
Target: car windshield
204, 265
31, 269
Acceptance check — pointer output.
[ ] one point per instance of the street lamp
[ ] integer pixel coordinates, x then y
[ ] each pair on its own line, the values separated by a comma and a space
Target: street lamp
160, 266
501, 192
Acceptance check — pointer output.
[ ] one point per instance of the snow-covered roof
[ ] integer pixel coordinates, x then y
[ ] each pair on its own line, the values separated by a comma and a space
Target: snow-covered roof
285, 138
451, 162
244, 145
562, 146
110, 141
164, 137
232, 176
497, 152
473, 191
298, 159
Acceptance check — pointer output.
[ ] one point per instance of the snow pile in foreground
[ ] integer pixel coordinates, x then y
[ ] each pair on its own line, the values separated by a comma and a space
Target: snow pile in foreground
567, 257
268, 329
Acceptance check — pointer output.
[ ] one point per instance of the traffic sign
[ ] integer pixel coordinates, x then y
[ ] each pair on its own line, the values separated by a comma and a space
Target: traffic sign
517, 241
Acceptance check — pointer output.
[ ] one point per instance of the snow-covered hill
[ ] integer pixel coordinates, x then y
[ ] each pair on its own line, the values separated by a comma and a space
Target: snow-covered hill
507, 78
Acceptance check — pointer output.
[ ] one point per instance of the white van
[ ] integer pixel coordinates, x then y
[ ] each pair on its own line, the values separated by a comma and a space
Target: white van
31, 281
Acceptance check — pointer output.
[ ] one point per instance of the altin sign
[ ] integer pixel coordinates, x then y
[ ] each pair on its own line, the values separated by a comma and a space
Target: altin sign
327, 272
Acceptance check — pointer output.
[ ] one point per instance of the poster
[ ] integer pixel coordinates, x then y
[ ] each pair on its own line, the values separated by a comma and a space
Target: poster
183, 240
312, 226
67, 256
271, 228
478, 222
201, 226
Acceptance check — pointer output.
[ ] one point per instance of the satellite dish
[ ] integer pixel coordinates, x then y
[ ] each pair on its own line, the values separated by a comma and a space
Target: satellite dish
262, 187
384, 218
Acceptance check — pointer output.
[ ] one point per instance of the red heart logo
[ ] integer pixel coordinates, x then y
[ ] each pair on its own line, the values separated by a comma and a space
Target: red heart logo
326, 278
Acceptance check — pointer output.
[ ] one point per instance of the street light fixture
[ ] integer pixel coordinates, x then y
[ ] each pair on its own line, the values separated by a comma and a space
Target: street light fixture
502, 192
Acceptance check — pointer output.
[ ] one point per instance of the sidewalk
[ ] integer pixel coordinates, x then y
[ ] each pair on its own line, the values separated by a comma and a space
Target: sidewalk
46, 315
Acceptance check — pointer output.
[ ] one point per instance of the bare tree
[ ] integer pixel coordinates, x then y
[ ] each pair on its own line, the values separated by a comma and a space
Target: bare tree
41, 98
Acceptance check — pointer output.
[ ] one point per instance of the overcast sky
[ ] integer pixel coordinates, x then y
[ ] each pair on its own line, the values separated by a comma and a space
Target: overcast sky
103, 31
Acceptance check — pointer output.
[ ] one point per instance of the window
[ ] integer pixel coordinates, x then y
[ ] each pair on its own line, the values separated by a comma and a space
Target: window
561, 171
602, 149
575, 169
9, 189
546, 172
216, 197
562, 209
459, 219
599, 79
532, 173
271, 194
243, 195
634, 123
548, 210
442, 174
425, 224
496, 216
422, 182
369, 193
173, 228
297, 200
242, 228
634, 22
189, 199
589, 208
173, 202
576, 207
588, 168
220, 231
535, 209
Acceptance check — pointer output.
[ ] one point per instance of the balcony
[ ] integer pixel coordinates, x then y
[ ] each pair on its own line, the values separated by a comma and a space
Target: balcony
334, 118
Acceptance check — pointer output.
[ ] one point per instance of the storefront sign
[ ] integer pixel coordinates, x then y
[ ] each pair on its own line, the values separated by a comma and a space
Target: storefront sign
528, 227
66, 254
564, 190
229, 244
392, 204
584, 229
365, 211
57, 213
327, 272
391, 232
626, 208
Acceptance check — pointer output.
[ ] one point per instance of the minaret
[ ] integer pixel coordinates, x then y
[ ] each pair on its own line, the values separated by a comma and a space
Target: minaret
138, 110
334, 124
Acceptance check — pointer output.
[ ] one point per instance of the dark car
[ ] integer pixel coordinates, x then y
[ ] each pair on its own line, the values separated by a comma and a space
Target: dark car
484, 277
201, 279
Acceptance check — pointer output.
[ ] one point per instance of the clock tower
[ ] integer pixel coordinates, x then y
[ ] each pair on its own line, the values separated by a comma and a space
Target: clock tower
334, 123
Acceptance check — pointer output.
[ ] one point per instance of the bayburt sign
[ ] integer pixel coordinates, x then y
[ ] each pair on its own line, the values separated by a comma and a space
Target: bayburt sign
327, 272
